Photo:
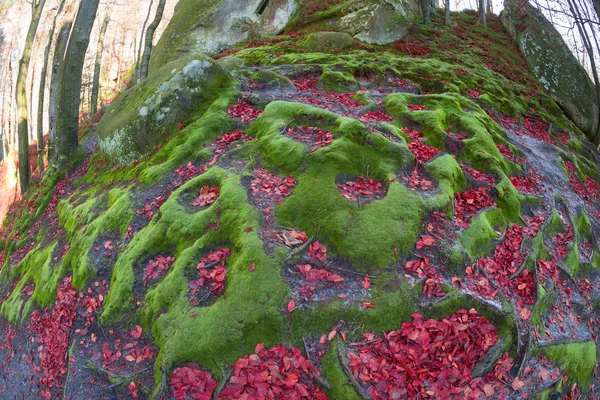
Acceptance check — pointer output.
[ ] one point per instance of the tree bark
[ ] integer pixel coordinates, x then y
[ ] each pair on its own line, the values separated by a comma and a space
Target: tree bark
426, 10
21, 96
482, 20
150, 37
42, 93
447, 20
98, 65
69, 88
57, 61
136, 75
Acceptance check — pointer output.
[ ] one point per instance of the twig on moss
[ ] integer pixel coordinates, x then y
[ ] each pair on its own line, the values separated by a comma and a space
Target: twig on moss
299, 249
319, 378
341, 352
226, 373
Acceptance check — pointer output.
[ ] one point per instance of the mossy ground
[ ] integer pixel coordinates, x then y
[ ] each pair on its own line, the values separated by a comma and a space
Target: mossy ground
376, 237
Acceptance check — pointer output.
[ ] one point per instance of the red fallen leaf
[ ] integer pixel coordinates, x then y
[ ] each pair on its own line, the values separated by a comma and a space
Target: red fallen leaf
332, 335
343, 335
252, 267
249, 229
181, 125
366, 304
525, 313
291, 306
425, 241
365, 282
291, 380
137, 332
488, 389
207, 196
517, 384
317, 251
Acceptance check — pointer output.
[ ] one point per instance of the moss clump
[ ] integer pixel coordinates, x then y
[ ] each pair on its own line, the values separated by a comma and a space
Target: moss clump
577, 360
478, 239
326, 41
337, 82
450, 177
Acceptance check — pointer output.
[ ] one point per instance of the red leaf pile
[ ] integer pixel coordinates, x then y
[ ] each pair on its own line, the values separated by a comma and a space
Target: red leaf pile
479, 176
243, 111
418, 182
315, 275
151, 208
211, 273
375, 116
362, 186
314, 137
157, 267
468, 203
269, 186
424, 359
193, 382
208, 195
422, 152
53, 336
416, 107
317, 251
275, 373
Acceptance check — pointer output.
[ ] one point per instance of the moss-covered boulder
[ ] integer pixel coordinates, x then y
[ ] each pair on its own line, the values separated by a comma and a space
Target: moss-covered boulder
403, 224
327, 41
272, 81
210, 26
372, 21
555, 66
148, 113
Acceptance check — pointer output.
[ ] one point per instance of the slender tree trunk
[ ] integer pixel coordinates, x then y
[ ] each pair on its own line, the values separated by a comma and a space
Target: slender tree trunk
58, 58
98, 65
586, 42
21, 96
447, 20
69, 88
136, 75
42, 93
426, 10
150, 37
597, 7
482, 20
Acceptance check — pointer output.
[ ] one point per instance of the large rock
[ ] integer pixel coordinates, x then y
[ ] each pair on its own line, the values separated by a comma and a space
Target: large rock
211, 26
555, 67
371, 21
146, 114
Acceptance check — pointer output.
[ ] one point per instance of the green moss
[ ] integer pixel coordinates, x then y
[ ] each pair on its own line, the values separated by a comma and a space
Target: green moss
145, 115
341, 388
336, 81
577, 360
34, 268
478, 239
450, 178
508, 199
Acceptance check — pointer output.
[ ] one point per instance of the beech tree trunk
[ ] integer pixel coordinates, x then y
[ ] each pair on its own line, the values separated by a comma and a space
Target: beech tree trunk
482, 10
426, 10
98, 65
447, 20
21, 96
150, 37
136, 75
58, 58
42, 93
69, 87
